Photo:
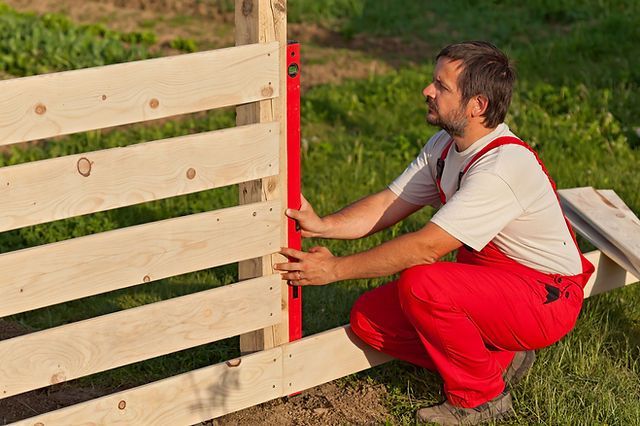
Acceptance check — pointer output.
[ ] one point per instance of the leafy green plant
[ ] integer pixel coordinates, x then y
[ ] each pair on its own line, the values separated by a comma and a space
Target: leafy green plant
31, 44
184, 44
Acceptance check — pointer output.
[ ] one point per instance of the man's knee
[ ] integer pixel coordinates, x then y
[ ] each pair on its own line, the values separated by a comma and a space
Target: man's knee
424, 283
358, 316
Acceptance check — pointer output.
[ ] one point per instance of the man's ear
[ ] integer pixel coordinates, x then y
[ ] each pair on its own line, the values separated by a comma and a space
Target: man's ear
479, 105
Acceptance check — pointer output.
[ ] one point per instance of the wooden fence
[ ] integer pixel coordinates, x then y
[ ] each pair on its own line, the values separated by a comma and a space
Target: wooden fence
252, 76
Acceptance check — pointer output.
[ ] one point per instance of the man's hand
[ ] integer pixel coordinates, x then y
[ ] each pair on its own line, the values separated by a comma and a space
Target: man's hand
317, 267
310, 223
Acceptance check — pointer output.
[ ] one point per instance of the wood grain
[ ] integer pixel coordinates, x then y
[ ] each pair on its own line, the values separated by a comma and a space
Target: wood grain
86, 347
220, 389
74, 185
327, 356
619, 227
264, 21
55, 104
186, 399
68, 270
608, 275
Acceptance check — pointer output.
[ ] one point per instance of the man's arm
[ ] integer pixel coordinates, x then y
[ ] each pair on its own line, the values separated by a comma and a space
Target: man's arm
319, 266
364, 217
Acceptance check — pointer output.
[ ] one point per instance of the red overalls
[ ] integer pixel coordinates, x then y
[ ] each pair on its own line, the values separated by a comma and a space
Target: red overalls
466, 319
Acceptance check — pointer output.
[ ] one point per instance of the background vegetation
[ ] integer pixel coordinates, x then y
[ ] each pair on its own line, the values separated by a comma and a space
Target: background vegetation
576, 102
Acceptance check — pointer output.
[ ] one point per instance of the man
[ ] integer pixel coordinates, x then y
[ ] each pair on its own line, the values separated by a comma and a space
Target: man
517, 283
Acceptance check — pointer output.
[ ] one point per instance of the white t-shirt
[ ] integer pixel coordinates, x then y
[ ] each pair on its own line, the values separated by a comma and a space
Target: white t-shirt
505, 197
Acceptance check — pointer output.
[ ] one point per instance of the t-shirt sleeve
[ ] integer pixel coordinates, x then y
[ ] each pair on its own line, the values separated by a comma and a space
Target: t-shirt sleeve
479, 210
416, 184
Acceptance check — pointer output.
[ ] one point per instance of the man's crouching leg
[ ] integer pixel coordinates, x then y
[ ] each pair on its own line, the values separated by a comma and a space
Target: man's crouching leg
430, 297
376, 317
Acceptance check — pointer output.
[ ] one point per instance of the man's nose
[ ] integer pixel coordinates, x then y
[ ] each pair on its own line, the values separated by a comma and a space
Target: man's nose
428, 91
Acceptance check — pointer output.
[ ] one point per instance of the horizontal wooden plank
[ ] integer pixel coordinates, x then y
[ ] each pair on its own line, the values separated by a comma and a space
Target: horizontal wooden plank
615, 199
597, 239
49, 105
74, 185
181, 400
220, 389
86, 347
617, 226
608, 275
326, 356
67, 270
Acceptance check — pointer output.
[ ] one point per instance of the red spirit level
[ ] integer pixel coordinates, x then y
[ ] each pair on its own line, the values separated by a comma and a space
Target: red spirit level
293, 184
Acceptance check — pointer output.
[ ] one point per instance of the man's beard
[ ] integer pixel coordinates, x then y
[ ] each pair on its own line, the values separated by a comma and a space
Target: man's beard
454, 124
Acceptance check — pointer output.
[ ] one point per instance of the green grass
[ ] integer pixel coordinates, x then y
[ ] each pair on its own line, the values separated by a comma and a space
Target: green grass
576, 102
31, 44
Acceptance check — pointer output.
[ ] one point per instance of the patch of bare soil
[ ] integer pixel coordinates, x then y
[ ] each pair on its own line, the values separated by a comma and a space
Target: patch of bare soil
328, 404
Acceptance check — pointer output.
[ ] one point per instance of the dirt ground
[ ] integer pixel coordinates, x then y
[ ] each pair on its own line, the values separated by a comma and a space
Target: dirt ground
331, 58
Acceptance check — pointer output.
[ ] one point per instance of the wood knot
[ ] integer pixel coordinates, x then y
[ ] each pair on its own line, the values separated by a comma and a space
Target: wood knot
280, 6
122, 405
271, 186
38, 424
58, 378
104, 97
267, 91
247, 7
84, 166
234, 362
191, 173
41, 109
154, 103
146, 278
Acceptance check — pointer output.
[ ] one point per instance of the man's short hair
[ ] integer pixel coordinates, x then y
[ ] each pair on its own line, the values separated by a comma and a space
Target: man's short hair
486, 71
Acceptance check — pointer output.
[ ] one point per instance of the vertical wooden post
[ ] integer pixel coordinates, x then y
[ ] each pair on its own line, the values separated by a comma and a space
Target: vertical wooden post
261, 21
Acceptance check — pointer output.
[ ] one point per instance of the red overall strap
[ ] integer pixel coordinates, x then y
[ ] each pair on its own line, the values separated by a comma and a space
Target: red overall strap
587, 267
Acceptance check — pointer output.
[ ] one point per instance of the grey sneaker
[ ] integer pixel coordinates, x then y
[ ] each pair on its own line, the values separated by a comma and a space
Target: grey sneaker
498, 408
519, 367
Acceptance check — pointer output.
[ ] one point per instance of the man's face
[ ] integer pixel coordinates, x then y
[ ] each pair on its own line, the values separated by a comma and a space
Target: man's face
443, 98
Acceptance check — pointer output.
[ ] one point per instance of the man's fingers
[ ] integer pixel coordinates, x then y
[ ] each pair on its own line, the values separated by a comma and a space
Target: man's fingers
299, 283
293, 276
289, 252
288, 266
293, 214
303, 202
